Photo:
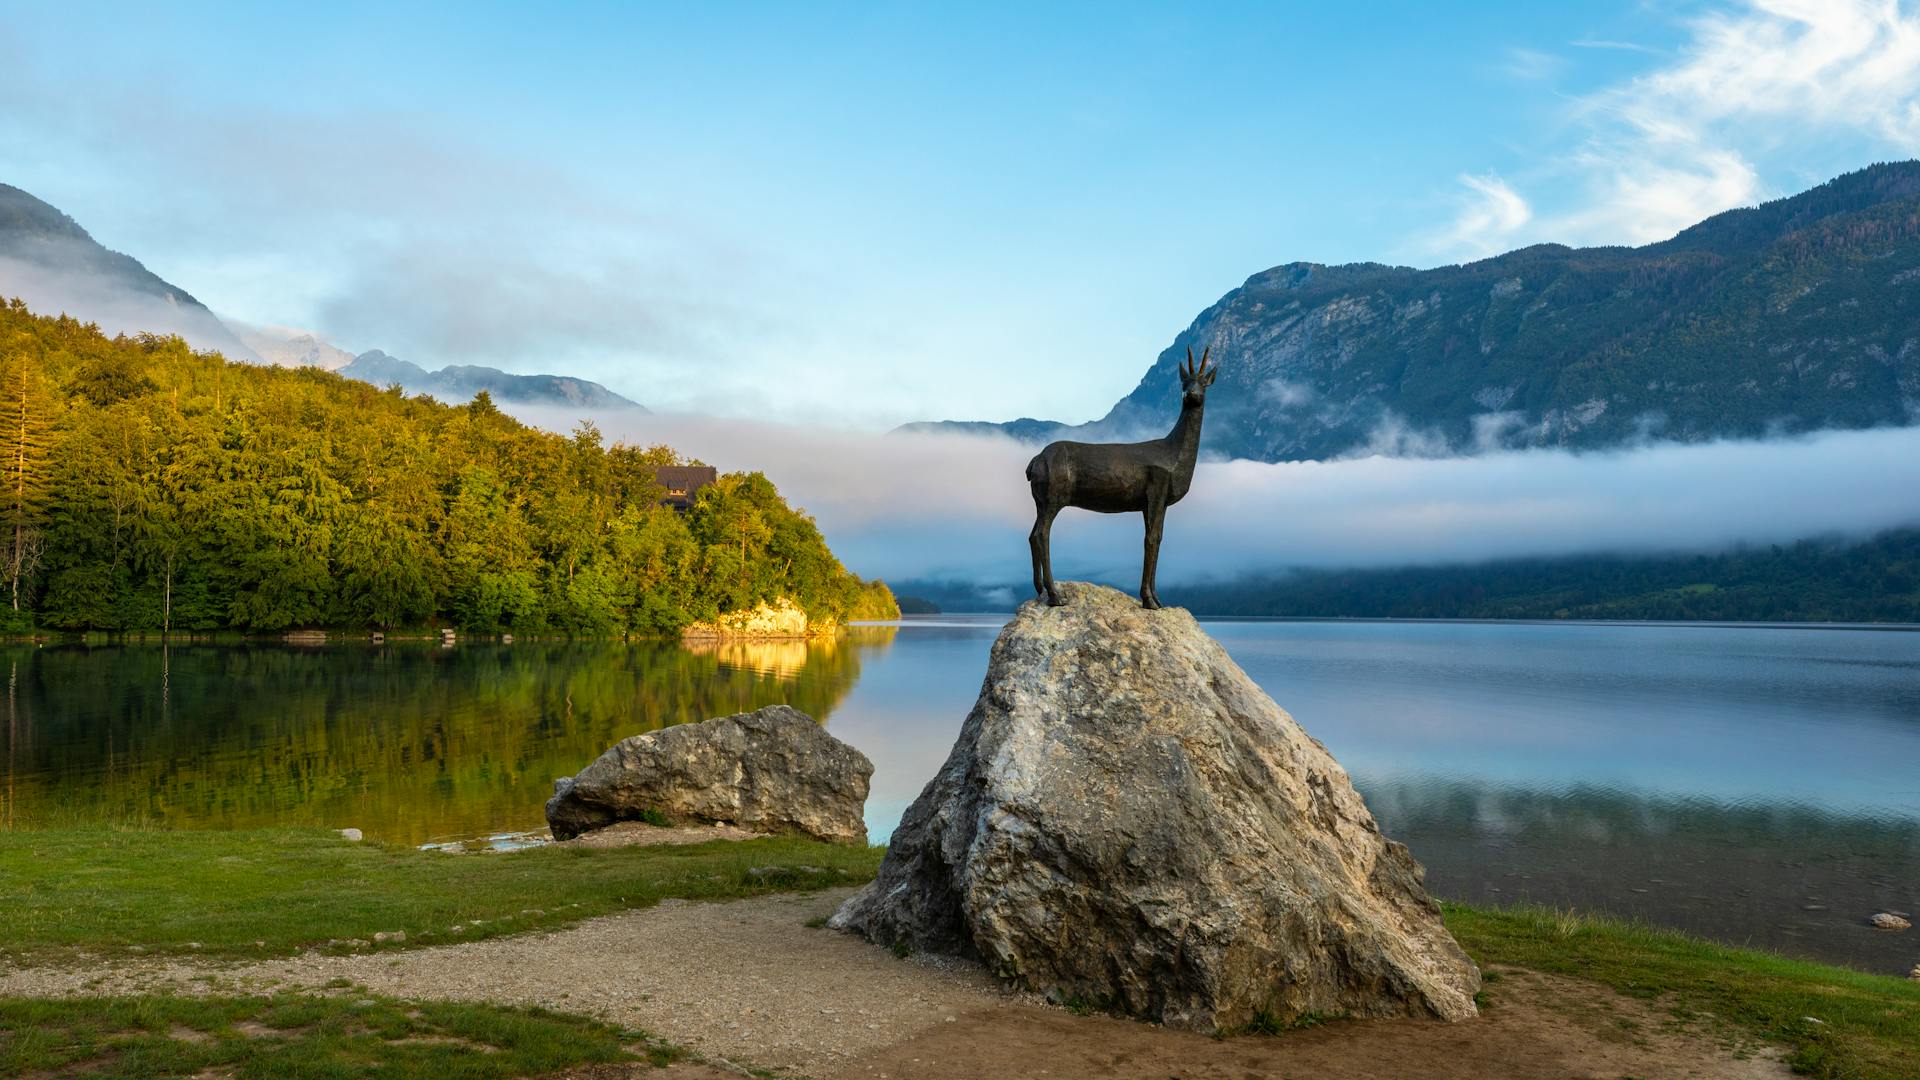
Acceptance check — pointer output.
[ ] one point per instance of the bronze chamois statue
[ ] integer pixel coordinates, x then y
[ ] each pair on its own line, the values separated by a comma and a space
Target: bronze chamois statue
1120, 478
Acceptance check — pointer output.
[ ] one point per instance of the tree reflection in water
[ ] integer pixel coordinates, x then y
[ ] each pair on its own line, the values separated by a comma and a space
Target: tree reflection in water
406, 742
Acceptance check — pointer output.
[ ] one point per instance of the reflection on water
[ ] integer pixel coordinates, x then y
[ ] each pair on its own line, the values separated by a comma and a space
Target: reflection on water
406, 742
1777, 875
785, 658
1759, 786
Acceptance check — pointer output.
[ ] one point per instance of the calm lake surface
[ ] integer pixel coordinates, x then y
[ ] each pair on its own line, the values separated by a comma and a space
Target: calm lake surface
1757, 785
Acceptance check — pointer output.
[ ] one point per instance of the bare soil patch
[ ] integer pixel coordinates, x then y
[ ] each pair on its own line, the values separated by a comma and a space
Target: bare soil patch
641, 834
749, 982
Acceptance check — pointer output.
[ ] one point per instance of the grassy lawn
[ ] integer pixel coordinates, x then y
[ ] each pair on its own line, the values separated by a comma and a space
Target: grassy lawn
267, 892
1834, 1022
252, 894
300, 1036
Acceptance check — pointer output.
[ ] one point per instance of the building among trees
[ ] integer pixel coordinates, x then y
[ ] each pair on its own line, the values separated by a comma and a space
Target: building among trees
683, 483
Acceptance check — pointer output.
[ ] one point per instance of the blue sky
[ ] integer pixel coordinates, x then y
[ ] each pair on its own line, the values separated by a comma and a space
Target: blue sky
856, 216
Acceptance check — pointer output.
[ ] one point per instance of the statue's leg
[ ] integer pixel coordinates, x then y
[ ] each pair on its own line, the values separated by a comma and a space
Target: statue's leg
1156, 518
1037, 545
1045, 528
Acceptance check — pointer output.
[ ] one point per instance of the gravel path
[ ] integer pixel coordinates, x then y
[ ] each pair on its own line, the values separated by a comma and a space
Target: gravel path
746, 978
749, 982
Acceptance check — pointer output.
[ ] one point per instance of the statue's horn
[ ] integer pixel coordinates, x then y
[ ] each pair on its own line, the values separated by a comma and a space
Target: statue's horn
1204, 353
1187, 368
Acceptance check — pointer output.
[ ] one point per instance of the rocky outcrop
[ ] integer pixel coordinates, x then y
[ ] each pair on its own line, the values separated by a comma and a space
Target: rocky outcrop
772, 770
781, 619
1127, 821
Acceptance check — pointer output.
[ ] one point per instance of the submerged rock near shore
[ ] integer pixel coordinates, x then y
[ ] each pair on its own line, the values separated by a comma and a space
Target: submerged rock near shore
772, 770
1128, 822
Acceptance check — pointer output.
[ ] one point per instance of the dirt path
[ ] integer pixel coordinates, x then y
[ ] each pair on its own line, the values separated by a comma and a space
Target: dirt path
749, 982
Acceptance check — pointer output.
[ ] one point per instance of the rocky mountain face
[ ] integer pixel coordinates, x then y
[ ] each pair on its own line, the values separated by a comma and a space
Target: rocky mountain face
1796, 315
1127, 819
460, 382
56, 267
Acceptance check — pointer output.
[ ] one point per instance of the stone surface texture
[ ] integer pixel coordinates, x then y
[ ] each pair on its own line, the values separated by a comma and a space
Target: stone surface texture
772, 770
1127, 821
781, 619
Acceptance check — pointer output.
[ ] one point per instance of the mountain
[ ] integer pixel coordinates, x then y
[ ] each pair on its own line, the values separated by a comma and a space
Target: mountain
49, 261
288, 347
1796, 315
462, 381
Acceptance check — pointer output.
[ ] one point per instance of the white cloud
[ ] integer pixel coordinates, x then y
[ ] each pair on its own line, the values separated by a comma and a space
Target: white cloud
1492, 214
1688, 139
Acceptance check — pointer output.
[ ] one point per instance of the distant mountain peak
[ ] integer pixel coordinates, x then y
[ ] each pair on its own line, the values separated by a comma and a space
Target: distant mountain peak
1798, 314
459, 382
291, 347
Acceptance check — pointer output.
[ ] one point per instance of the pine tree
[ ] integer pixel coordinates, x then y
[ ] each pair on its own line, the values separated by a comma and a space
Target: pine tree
23, 513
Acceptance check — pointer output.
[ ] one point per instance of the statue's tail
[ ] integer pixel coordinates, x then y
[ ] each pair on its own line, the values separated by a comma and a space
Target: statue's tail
1037, 468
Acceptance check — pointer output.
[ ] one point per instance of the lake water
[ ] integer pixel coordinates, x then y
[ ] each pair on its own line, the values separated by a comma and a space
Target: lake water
1758, 785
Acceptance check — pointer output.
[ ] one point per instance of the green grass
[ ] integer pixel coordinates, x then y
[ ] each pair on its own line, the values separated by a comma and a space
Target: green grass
299, 1036
1834, 1022
266, 892
112, 891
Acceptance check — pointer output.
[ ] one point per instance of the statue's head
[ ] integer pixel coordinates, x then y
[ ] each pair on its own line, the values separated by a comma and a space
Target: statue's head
1195, 378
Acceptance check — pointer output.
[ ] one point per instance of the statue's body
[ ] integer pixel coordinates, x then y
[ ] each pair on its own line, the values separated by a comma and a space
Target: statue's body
1120, 478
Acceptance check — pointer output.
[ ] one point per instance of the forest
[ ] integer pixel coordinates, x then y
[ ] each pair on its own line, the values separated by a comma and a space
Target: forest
1813, 580
147, 487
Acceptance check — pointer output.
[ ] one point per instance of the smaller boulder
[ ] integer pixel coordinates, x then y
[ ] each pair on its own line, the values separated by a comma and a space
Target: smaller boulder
771, 770
1887, 920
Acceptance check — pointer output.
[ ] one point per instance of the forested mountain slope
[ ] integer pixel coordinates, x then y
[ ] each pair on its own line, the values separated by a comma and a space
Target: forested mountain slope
1797, 315
146, 486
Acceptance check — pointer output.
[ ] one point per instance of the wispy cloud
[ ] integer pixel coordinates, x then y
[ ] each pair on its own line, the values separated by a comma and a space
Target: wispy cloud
1688, 138
1618, 46
1491, 215
1532, 64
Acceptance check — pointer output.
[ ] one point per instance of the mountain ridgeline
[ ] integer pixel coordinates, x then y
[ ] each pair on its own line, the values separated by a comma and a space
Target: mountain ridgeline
55, 266
460, 382
148, 486
1797, 315
49, 261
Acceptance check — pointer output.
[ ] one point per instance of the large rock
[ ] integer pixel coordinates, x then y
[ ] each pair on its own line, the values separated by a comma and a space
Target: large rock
1127, 821
771, 770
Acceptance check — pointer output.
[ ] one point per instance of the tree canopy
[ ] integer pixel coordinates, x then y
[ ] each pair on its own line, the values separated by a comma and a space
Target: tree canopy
150, 487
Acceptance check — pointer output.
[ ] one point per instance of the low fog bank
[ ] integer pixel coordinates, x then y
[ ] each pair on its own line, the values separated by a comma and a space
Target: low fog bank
90, 297
954, 507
